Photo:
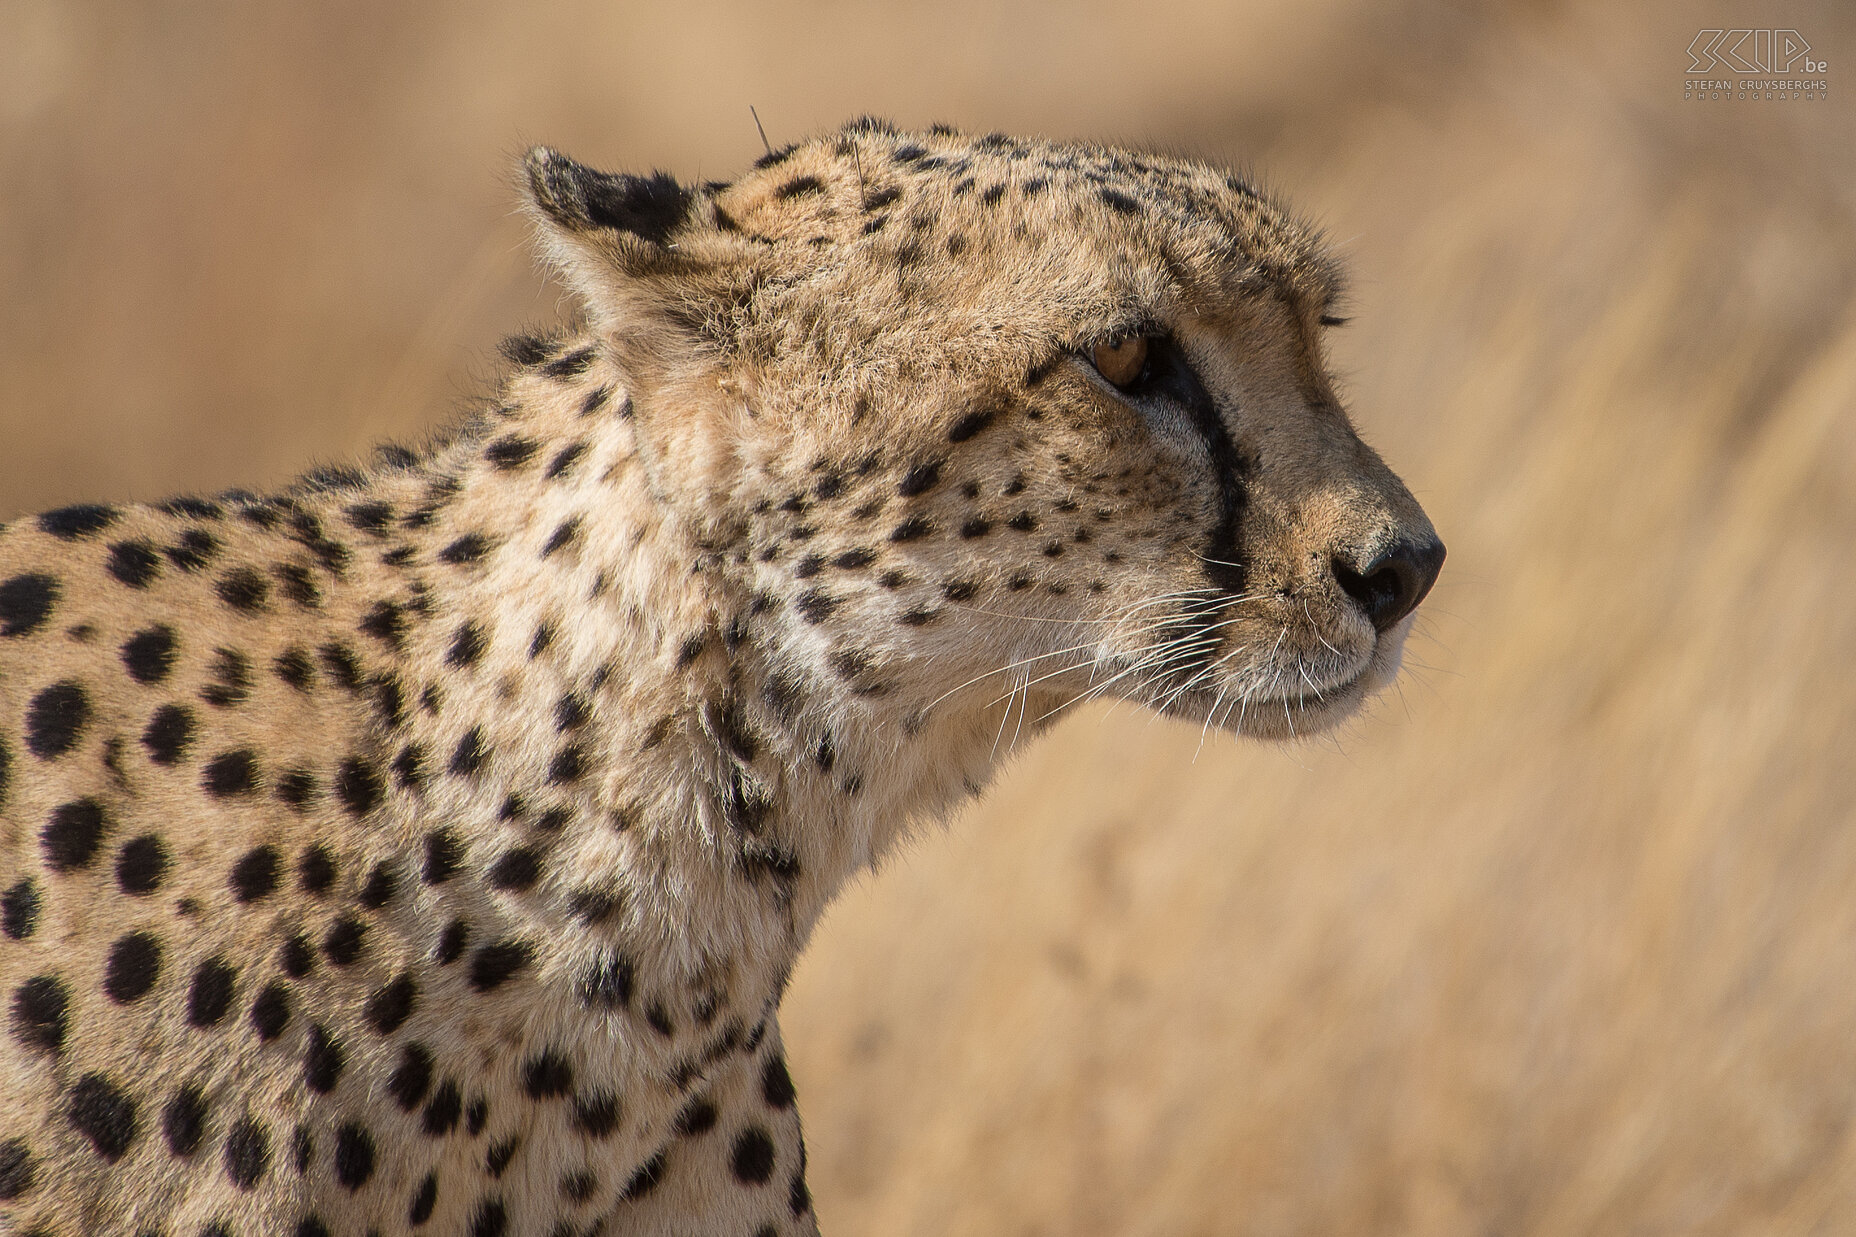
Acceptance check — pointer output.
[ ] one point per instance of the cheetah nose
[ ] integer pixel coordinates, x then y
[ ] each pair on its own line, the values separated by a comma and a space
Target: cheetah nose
1392, 585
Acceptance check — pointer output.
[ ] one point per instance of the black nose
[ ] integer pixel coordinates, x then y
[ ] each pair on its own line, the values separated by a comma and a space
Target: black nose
1392, 585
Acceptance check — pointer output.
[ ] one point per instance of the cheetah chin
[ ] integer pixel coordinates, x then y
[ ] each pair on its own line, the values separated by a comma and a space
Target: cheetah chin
425, 847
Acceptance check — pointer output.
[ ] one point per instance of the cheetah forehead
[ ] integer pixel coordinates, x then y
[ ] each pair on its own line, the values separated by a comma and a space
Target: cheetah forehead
942, 194
945, 218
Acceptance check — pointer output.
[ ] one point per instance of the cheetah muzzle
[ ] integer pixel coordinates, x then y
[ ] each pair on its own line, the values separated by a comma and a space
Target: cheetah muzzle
425, 847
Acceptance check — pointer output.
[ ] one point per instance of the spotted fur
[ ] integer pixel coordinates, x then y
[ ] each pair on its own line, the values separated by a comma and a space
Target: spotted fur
425, 848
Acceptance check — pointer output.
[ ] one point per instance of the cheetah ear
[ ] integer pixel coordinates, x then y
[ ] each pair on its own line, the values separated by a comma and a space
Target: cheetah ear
620, 240
642, 211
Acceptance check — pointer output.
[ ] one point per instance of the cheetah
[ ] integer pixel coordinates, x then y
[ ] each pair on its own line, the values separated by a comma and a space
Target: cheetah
425, 847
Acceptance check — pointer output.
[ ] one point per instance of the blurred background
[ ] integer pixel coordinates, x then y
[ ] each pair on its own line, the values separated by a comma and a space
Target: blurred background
1560, 939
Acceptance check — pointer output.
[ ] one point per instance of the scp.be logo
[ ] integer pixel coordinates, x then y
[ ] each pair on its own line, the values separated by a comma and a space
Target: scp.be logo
1751, 51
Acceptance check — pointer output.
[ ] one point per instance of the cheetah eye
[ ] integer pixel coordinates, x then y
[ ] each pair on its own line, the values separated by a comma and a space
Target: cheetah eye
1121, 360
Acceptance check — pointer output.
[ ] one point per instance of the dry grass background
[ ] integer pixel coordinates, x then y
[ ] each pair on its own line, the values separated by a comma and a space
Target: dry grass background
1560, 940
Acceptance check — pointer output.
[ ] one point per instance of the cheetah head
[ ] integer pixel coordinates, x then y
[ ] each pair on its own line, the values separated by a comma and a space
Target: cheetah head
1013, 423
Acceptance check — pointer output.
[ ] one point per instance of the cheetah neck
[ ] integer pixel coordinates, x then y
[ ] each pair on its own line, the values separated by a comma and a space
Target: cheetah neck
623, 705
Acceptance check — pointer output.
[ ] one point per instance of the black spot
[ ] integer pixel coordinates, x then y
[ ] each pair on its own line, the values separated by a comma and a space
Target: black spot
798, 1197
596, 1113
696, 1119
18, 1170
19, 909
658, 1019
466, 549
510, 452
390, 699
911, 529
343, 942
255, 875
442, 1113
570, 364
72, 834
81, 520
562, 536
992, 193
809, 566
294, 667
565, 459
391, 1005
354, 1155
568, 765
169, 734
494, 964
816, 605
451, 942
134, 563
975, 528
149, 655
133, 967
496, 1159
491, 1219
105, 1114
55, 720
470, 754
231, 683
358, 784
302, 1149
297, 788
776, 1083
270, 1012
544, 636
970, 425
571, 711
315, 871
959, 590
324, 1060
311, 1225
141, 865
424, 1201
477, 1116
243, 589
382, 884
516, 871
799, 185
248, 1152
547, 1075
210, 995
298, 585
596, 398
607, 982
183, 1120
411, 1077
386, 622
1120, 202
409, 766
526, 350
194, 550
338, 661
298, 956
644, 1180
372, 517
920, 479
752, 1159
444, 854
26, 601
231, 773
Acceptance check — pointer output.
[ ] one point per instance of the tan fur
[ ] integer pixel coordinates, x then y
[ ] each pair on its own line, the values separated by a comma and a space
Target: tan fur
729, 590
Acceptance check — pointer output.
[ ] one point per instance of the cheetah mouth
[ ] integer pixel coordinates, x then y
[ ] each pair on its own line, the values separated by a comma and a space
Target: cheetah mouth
1319, 700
